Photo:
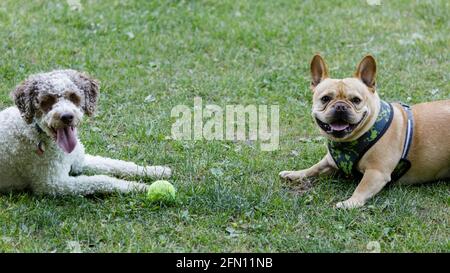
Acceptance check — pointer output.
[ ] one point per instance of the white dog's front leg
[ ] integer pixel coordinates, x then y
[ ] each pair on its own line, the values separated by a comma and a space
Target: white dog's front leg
85, 185
105, 165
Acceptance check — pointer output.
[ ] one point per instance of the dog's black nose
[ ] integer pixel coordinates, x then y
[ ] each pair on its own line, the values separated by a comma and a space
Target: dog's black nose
340, 107
67, 118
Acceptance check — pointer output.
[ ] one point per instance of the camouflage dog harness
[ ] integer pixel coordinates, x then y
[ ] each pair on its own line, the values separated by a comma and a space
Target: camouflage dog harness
346, 155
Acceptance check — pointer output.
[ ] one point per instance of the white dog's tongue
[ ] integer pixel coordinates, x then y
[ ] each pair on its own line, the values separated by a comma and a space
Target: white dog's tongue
66, 139
339, 126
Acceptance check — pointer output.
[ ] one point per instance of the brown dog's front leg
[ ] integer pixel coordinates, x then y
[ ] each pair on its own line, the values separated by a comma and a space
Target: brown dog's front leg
372, 183
325, 166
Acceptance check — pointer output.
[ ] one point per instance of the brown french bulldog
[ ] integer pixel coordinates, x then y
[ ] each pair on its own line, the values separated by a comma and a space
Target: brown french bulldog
381, 142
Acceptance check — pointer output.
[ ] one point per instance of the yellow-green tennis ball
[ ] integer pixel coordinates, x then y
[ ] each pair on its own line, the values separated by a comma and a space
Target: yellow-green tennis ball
161, 191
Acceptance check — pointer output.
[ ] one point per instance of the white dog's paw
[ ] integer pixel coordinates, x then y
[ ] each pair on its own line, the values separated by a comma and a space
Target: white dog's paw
349, 204
293, 175
167, 172
137, 187
158, 171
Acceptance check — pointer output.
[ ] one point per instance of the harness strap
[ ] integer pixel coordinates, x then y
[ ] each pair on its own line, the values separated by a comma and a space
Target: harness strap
409, 130
404, 164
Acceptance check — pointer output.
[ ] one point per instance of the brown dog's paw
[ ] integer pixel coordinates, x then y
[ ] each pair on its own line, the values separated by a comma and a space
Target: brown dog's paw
349, 204
293, 175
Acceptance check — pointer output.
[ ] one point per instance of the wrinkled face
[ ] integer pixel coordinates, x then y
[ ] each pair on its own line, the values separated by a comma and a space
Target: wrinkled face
56, 102
343, 109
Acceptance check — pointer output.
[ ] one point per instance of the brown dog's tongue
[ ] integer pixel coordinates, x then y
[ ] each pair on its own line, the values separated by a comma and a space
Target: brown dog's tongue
339, 126
66, 139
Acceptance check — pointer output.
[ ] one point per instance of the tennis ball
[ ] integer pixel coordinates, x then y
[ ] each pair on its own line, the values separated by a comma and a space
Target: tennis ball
161, 191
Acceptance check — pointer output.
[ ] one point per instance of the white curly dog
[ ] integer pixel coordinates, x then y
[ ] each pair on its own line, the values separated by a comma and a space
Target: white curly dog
39, 148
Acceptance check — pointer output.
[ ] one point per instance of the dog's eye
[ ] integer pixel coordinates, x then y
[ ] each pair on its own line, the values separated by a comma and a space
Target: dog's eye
47, 102
325, 99
355, 100
75, 99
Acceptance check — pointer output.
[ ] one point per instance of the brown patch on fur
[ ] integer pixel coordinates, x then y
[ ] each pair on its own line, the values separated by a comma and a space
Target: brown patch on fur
24, 97
341, 91
90, 88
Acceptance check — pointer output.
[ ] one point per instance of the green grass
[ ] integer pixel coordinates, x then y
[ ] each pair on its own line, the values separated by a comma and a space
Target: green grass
227, 52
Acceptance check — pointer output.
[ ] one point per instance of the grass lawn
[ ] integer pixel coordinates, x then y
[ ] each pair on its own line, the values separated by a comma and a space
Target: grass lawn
227, 52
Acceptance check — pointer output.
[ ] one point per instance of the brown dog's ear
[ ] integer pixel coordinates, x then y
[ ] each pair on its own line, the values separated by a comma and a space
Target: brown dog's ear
319, 70
90, 87
366, 71
24, 97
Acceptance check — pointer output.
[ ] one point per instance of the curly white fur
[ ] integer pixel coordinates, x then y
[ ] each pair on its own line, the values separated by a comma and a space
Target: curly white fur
25, 165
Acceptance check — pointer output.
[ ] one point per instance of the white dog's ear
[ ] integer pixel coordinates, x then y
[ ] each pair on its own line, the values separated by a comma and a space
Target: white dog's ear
319, 70
90, 87
24, 97
366, 71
